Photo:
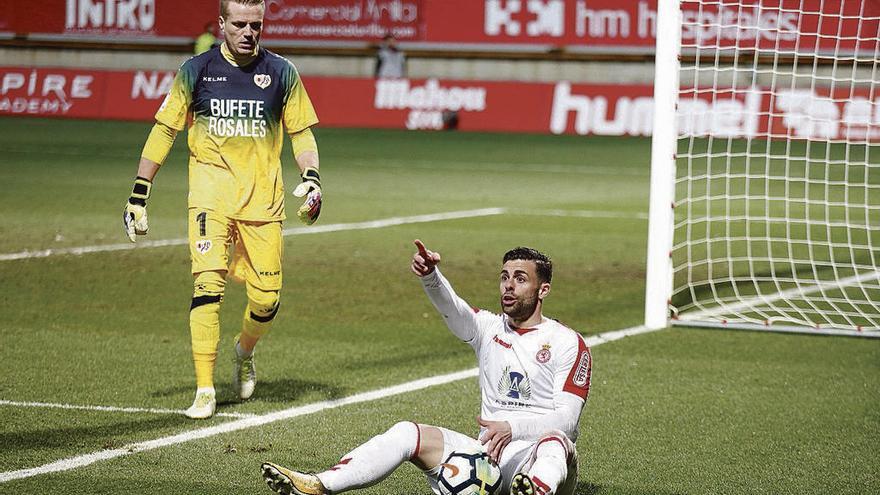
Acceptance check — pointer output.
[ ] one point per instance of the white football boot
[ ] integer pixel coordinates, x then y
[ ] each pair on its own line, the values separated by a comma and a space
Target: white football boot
289, 482
203, 406
244, 374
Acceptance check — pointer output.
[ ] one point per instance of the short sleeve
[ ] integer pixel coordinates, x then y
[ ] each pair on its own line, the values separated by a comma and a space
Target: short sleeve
575, 369
176, 105
299, 113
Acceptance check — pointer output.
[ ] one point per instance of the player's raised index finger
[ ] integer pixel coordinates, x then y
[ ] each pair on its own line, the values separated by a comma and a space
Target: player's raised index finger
422, 251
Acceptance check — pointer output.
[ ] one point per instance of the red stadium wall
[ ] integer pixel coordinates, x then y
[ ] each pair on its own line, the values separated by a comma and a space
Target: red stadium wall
606, 26
480, 105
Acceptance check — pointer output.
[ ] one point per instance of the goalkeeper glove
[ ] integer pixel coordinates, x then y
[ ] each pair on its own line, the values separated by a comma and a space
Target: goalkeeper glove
134, 217
311, 188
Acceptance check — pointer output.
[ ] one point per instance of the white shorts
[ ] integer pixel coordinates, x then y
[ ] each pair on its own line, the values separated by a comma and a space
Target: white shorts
517, 457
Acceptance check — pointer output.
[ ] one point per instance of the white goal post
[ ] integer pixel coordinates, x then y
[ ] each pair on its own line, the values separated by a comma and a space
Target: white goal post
765, 166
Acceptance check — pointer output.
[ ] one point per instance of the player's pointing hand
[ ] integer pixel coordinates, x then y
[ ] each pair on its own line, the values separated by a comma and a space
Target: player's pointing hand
424, 261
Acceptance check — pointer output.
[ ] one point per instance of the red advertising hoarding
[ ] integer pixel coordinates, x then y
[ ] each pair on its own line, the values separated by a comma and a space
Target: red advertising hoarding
624, 26
345, 20
587, 25
559, 108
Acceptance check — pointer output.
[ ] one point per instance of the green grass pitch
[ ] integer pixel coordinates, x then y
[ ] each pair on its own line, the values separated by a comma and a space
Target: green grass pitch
671, 412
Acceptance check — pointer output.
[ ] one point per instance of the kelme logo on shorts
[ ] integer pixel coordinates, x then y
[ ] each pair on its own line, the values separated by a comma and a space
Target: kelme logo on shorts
262, 80
203, 246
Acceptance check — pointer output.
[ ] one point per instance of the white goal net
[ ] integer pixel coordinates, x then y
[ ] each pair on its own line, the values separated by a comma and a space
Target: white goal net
776, 195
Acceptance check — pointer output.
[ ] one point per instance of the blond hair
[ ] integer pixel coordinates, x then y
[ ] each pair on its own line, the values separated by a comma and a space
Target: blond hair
224, 5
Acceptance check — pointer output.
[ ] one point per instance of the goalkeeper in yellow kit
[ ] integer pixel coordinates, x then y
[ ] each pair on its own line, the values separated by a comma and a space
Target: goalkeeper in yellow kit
236, 102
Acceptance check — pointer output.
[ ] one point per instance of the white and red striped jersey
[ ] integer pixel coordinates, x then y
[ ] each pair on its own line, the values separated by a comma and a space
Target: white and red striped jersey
537, 379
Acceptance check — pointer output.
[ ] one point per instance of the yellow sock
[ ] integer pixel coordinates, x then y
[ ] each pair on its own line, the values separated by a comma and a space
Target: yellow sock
204, 325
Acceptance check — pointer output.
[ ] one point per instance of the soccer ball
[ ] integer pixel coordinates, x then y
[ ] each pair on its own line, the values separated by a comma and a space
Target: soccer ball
469, 473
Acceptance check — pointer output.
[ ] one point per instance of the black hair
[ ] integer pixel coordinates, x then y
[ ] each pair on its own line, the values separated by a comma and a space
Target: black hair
543, 264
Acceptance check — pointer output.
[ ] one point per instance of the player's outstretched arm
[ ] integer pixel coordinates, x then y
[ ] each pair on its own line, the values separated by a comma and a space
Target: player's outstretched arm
458, 314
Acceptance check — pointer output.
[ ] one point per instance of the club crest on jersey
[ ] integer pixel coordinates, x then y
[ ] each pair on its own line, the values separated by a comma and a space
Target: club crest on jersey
203, 246
262, 80
515, 385
544, 354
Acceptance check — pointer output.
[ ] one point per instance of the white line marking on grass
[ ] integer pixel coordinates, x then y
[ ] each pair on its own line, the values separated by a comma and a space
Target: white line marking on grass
579, 213
293, 412
335, 227
321, 229
239, 424
606, 337
112, 408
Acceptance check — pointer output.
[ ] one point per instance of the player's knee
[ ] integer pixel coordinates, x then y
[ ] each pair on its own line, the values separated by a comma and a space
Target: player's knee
262, 304
208, 288
557, 434
557, 440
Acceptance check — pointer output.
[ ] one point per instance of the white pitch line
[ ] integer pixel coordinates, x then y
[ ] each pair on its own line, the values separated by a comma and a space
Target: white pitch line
579, 213
293, 412
321, 229
239, 424
335, 227
50, 405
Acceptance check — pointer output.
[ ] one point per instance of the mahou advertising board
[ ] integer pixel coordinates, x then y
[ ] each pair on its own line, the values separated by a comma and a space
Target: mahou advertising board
558, 108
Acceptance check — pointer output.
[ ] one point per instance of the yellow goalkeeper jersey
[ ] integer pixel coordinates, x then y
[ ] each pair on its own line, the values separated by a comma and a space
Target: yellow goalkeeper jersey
236, 118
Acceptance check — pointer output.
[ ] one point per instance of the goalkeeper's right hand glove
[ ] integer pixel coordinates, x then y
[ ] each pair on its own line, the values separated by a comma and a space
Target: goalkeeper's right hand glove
310, 187
134, 216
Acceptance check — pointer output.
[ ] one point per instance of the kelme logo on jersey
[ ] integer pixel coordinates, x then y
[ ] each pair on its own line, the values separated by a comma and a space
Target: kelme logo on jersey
515, 385
262, 80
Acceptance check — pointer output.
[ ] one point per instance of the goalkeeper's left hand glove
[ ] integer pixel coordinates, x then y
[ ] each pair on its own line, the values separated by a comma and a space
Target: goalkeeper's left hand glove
134, 216
311, 188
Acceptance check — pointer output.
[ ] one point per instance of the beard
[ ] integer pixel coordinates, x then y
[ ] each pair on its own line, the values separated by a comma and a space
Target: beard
522, 309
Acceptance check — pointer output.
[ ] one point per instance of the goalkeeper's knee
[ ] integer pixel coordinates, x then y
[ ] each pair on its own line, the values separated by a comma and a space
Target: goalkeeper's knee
261, 310
208, 289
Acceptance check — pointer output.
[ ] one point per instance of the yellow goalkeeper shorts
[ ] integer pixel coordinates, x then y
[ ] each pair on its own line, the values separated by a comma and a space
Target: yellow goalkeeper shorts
255, 248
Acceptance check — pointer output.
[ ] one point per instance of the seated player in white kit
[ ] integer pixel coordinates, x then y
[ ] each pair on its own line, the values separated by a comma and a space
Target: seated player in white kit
534, 381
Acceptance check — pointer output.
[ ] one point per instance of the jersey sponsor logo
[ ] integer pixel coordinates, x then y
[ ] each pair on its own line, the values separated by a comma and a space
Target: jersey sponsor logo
237, 118
262, 80
544, 354
582, 375
214, 79
203, 246
515, 385
501, 342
